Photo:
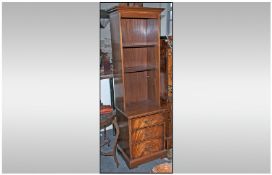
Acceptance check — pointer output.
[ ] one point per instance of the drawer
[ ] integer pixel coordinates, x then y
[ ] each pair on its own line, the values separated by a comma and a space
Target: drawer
147, 147
147, 133
147, 121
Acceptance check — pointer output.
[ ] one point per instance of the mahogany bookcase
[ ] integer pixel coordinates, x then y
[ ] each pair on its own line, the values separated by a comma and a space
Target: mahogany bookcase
135, 35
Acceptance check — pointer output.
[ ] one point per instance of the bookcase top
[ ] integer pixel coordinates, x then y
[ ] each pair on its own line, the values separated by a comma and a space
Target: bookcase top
134, 9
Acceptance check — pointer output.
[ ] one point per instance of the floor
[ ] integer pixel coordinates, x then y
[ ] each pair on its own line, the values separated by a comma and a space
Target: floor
107, 164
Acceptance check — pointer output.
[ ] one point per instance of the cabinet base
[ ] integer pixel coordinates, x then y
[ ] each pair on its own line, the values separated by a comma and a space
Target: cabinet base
133, 163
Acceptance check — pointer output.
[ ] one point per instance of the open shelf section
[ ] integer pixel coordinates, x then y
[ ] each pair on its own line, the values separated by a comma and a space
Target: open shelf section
143, 44
139, 68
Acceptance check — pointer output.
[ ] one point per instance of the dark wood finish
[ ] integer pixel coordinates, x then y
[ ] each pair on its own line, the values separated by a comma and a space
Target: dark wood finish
147, 133
123, 140
146, 121
142, 108
132, 163
136, 60
147, 147
139, 69
137, 12
140, 44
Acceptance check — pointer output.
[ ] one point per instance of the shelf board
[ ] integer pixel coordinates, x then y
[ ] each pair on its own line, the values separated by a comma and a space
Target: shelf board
139, 68
141, 108
143, 44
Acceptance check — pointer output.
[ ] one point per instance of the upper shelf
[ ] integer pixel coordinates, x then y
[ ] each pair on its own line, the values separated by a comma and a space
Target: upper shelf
143, 44
139, 68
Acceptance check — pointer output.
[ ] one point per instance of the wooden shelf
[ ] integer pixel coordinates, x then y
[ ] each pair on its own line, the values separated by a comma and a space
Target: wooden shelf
144, 44
139, 68
142, 108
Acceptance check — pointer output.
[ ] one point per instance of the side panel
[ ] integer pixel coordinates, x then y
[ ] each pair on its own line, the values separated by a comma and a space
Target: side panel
123, 139
117, 60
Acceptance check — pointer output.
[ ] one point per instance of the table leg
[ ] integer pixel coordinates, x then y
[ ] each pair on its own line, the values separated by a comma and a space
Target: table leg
113, 152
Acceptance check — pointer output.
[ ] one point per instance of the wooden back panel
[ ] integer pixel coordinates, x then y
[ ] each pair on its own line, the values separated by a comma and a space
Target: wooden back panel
153, 34
136, 87
133, 31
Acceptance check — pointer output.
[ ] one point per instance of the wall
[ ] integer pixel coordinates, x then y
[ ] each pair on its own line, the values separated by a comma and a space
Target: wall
50, 87
222, 88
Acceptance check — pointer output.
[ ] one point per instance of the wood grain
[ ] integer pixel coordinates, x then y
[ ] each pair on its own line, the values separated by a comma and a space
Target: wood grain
134, 31
146, 121
147, 147
135, 87
147, 133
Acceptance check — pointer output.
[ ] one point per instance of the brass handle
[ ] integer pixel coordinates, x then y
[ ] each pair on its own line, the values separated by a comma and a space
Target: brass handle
147, 122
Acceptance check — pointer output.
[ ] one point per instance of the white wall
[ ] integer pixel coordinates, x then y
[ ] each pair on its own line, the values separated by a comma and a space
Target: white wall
105, 92
50, 91
222, 88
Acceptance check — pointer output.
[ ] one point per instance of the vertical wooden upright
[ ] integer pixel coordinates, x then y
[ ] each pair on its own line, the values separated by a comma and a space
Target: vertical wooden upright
135, 35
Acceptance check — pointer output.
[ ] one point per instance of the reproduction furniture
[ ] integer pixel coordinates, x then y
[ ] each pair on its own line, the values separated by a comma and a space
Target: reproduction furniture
105, 121
135, 35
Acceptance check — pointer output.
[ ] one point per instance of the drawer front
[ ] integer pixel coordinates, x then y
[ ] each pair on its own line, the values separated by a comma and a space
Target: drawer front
147, 121
147, 133
147, 147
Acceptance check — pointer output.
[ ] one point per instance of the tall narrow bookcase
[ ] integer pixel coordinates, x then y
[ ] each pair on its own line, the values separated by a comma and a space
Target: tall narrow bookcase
135, 35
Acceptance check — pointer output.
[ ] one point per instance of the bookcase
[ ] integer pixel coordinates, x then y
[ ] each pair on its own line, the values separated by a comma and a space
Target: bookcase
135, 35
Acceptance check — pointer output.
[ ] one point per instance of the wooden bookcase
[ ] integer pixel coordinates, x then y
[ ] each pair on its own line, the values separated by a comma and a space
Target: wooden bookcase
135, 35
